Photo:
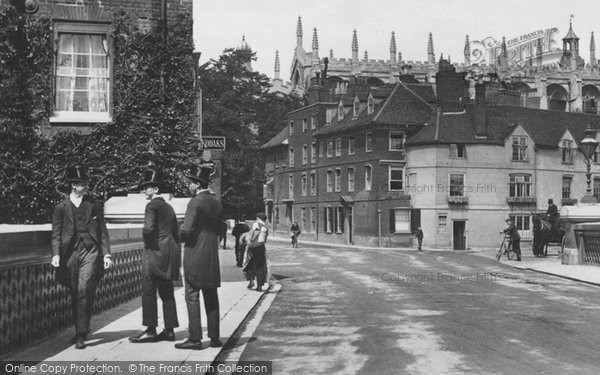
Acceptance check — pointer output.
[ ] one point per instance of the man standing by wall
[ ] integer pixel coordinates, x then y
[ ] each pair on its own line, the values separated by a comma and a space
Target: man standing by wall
419, 236
80, 249
160, 262
200, 231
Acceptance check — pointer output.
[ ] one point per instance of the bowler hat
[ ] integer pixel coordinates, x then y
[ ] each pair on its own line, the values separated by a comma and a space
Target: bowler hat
201, 173
76, 174
152, 178
550, 201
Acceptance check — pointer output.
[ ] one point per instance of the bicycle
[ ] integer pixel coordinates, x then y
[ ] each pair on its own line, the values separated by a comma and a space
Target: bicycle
506, 248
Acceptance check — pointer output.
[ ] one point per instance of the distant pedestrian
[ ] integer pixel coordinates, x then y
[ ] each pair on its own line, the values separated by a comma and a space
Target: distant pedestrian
160, 262
238, 230
419, 236
223, 234
80, 249
295, 233
200, 231
255, 261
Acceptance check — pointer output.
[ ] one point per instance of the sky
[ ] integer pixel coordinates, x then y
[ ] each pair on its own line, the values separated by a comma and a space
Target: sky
270, 25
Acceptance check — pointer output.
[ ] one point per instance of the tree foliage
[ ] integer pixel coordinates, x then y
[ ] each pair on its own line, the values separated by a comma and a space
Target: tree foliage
237, 104
153, 118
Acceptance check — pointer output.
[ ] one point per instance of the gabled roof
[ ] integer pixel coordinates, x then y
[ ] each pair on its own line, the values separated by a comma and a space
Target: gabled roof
546, 128
280, 139
403, 106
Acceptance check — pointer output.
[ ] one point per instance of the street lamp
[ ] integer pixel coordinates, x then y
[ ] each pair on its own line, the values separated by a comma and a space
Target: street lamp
588, 147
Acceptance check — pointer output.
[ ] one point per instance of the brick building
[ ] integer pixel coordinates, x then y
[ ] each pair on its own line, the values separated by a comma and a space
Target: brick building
337, 167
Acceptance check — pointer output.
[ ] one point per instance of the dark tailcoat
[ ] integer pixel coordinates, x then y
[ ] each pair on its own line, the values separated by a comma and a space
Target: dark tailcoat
199, 232
201, 262
160, 262
162, 255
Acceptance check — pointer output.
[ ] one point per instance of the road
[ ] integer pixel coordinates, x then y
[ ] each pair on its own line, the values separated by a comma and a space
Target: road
350, 311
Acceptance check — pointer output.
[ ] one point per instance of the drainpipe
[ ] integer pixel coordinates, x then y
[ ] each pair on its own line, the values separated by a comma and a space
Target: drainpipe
378, 227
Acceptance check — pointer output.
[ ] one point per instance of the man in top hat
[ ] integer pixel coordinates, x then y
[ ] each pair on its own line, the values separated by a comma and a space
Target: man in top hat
160, 262
512, 231
80, 249
200, 231
552, 213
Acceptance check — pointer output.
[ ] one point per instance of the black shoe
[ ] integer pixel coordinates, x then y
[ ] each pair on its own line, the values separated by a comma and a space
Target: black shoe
146, 336
259, 288
166, 335
215, 343
80, 342
250, 285
518, 259
74, 339
189, 344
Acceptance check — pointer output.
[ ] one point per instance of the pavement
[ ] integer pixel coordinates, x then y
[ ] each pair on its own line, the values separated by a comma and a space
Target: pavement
110, 330
109, 340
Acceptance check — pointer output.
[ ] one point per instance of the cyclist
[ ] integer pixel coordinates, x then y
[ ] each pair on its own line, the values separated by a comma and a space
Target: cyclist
512, 231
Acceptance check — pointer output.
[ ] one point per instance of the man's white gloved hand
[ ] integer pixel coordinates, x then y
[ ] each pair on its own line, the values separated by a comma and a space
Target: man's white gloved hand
107, 261
55, 262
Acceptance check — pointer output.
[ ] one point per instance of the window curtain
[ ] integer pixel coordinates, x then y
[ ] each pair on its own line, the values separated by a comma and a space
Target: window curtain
82, 73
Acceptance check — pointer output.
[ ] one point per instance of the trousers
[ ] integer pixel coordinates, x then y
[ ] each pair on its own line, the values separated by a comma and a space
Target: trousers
211, 305
150, 284
84, 273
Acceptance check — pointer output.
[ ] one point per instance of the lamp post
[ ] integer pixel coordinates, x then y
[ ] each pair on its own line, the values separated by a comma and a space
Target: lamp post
588, 147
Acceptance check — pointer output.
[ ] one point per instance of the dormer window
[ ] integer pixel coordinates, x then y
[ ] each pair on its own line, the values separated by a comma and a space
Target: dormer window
370, 105
567, 151
519, 148
356, 107
340, 111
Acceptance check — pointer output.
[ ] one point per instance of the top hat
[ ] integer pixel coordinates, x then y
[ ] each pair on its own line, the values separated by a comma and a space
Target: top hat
152, 178
201, 173
76, 174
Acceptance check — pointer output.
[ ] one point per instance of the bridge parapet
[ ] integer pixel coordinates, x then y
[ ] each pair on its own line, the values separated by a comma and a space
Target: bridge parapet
34, 305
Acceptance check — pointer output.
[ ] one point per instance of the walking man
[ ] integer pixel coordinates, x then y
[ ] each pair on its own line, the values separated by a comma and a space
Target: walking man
419, 236
80, 249
160, 262
295, 233
200, 231
238, 229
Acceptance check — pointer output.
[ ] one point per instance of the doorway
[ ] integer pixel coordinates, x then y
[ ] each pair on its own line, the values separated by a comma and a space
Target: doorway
349, 238
459, 239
